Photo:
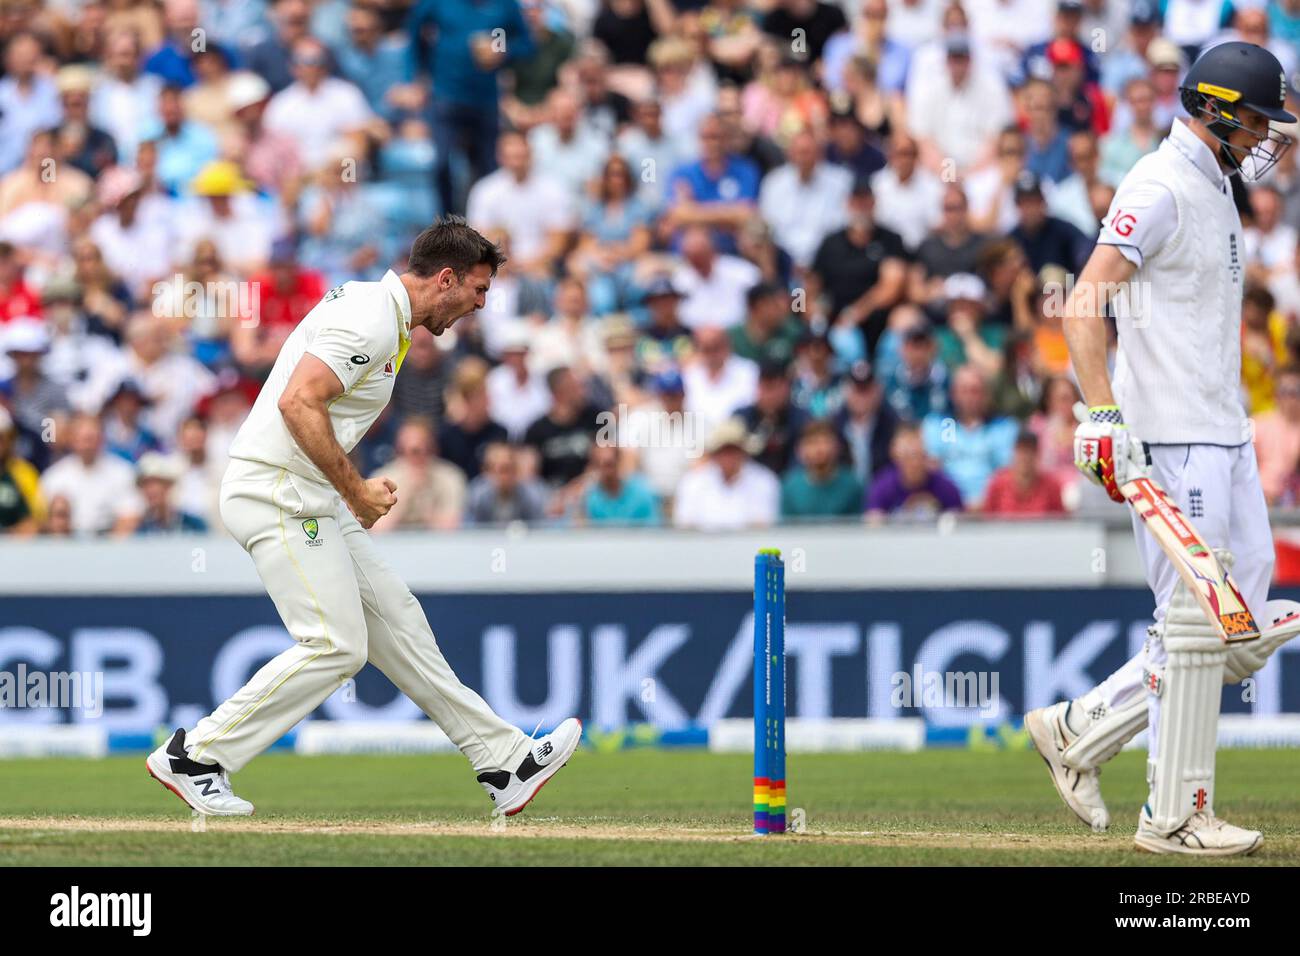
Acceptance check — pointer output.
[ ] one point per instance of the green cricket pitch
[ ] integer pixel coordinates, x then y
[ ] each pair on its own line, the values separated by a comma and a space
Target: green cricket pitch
627, 808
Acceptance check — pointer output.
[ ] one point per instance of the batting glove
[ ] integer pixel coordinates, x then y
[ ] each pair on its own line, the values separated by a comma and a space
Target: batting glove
1105, 451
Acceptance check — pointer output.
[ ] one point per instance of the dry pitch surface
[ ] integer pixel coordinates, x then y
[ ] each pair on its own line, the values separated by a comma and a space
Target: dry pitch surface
637, 807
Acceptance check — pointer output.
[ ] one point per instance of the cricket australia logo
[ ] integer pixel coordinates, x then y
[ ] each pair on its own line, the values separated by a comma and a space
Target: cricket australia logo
311, 528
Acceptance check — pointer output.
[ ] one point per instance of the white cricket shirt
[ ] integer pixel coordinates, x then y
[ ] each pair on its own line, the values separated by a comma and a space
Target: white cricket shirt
361, 330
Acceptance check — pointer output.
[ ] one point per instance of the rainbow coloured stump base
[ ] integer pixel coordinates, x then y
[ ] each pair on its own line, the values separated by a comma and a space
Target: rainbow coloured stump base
769, 693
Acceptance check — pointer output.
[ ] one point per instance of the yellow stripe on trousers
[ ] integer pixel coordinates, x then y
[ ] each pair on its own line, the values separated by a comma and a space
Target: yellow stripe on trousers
329, 644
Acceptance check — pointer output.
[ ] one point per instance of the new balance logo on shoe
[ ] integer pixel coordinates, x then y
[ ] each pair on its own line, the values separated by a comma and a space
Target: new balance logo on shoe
544, 750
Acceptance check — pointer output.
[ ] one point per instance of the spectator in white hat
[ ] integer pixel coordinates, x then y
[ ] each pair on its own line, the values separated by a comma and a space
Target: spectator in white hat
729, 492
518, 395
156, 477
35, 399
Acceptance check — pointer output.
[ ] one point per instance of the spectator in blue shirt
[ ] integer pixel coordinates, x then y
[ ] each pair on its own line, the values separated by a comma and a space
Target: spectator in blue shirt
379, 65
615, 498
271, 57
172, 60
970, 445
719, 190
29, 101
184, 146
462, 45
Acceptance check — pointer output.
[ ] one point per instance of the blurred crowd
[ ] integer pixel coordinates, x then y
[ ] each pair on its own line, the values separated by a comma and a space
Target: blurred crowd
769, 260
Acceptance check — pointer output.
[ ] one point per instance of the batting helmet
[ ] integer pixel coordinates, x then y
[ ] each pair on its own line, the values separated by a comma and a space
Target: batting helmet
1227, 78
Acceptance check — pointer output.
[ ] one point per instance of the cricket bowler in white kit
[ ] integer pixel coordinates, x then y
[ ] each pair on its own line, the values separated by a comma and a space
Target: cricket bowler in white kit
295, 502
1173, 234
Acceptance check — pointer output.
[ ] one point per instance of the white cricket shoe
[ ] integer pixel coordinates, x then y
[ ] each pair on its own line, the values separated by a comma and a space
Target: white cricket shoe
205, 787
1080, 789
511, 792
1203, 834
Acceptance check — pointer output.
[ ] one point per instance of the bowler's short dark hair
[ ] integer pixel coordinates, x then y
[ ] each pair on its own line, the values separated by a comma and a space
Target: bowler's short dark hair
452, 243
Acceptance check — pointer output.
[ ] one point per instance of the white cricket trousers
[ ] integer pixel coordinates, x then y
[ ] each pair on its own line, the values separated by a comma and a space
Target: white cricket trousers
1218, 489
343, 605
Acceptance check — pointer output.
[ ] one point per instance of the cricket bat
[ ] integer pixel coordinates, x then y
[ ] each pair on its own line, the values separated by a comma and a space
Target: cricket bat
1194, 560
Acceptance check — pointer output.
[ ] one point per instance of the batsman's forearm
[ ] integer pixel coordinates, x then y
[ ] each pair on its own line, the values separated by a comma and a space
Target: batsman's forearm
1086, 337
309, 424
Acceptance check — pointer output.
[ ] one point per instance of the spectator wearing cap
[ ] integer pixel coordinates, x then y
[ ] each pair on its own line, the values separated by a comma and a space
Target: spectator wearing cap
125, 435
517, 394
912, 486
770, 331
816, 20
717, 192
1045, 239
534, 210
271, 158
501, 494
29, 100
184, 147
918, 385
562, 438
1046, 141
455, 44
468, 428
1166, 64
955, 111
729, 492
773, 421
1042, 57
848, 143
615, 234
712, 283
665, 342
100, 487
965, 335
805, 200
865, 423
970, 444
867, 37
1124, 145
379, 64
817, 388
326, 115
612, 496
34, 398
81, 142
433, 490
1021, 489
820, 486
662, 436
22, 506
1080, 103
124, 100
225, 210
1126, 60
718, 383
74, 351
908, 196
861, 269
618, 379
951, 248
156, 478
134, 231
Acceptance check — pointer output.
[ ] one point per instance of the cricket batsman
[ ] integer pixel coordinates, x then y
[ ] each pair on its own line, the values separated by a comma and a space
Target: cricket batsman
296, 503
1173, 239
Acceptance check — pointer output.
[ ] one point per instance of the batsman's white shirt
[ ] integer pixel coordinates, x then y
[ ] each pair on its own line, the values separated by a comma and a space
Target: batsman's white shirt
339, 600
1178, 377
